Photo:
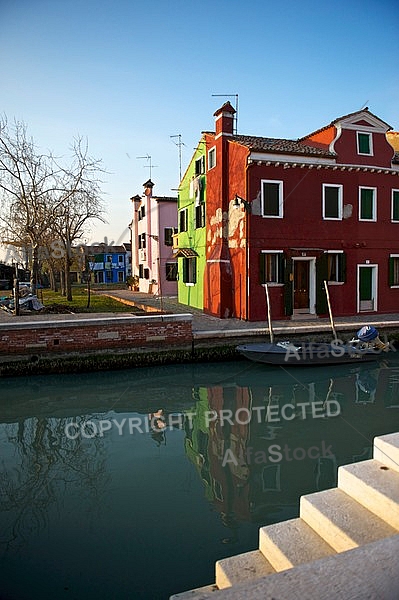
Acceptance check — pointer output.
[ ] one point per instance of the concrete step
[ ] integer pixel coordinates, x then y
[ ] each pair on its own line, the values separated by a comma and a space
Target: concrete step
240, 568
341, 521
201, 593
291, 543
370, 571
375, 486
386, 450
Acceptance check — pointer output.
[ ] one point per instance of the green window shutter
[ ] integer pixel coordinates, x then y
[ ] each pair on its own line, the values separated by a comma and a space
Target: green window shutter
321, 276
364, 143
194, 279
281, 263
288, 286
262, 274
391, 271
185, 270
366, 204
342, 267
395, 207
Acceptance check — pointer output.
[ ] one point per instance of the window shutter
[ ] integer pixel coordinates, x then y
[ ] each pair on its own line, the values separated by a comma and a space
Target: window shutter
342, 267
281, 262
262, 274
288, 286
391, 271
185, 260
321, 276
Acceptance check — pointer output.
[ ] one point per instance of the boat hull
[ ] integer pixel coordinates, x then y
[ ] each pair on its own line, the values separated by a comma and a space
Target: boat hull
308, 354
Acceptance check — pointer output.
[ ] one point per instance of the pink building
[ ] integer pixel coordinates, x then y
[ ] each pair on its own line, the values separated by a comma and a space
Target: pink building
152, 228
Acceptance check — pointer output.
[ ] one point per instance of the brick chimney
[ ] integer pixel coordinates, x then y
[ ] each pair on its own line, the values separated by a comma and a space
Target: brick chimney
224, 119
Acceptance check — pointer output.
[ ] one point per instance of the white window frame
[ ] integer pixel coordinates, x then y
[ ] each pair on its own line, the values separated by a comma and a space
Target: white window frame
335, 253
277, 253
370, 136
212, 158
340, 189
366, 187
395, 191
280, 183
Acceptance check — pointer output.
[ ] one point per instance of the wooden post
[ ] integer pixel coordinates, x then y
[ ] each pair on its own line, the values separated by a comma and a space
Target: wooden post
269, 318
330, 311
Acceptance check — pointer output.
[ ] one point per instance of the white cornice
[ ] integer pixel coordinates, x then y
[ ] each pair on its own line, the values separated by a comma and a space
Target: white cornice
291, 158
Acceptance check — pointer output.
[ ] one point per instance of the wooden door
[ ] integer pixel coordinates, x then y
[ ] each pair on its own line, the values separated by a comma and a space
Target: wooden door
301, 285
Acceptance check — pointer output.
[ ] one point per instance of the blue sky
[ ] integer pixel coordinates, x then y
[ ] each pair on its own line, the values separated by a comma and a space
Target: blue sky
129, 74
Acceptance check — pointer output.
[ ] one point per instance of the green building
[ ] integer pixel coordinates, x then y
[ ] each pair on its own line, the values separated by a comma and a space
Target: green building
192, 231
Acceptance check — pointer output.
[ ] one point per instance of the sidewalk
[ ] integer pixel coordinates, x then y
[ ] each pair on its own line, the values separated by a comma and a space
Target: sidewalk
208, 326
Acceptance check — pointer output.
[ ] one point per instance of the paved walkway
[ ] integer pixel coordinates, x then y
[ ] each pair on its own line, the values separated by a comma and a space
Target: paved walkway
207, 323
204, 324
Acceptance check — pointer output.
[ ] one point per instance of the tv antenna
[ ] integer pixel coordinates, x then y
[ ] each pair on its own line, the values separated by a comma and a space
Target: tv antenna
235, 127
179, 144
150, 165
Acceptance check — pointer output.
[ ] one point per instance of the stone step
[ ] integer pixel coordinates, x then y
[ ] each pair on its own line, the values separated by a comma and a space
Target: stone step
375, 486
291, 543
201, 593
240, 568
386, 450
370, 571
341, 521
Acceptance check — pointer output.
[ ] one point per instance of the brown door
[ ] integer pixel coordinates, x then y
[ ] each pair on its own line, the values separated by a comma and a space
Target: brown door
301, 285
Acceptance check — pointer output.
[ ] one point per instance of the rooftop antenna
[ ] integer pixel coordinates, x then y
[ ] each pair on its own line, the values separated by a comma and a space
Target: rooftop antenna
179, 144
150, 165
235, 128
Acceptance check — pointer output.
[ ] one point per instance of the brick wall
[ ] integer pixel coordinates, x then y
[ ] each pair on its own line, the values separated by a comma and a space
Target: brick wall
75, 335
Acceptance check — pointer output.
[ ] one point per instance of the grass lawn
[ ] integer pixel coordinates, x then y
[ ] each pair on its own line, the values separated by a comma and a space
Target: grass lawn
55, 302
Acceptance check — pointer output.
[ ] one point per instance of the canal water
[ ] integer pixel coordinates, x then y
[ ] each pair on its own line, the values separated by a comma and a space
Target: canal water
131, 484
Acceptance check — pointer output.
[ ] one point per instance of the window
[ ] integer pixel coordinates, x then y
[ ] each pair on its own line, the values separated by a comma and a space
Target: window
120, 258
271, 267
142, 240
183, 219
171, 271
200, 166
394, 270
141, 213
120, 276
200, 216
168, 236
367, 204
141, 271
332, 201
395, 206
336, 266
272, 198
146, 273
364, 143
211, 158
190, 270
109, 258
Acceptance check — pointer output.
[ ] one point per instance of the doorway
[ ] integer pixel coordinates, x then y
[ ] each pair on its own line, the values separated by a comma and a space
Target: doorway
366, 288
304, 285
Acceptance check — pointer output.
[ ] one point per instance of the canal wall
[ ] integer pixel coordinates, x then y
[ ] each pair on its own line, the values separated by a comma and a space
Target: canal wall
96, 334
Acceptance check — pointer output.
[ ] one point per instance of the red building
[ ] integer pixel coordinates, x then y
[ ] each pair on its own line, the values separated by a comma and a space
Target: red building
296, 213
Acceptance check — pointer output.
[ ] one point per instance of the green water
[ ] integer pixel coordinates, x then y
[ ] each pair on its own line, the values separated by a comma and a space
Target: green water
131, 484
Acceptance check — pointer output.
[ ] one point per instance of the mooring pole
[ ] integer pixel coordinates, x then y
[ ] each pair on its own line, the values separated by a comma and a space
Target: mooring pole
269, 318
330, 311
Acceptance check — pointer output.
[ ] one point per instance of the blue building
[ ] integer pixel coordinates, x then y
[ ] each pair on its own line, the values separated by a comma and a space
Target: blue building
108, 263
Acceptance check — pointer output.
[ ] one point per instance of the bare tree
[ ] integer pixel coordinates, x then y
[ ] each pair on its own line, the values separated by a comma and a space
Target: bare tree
43, 199
26, 180
78, 202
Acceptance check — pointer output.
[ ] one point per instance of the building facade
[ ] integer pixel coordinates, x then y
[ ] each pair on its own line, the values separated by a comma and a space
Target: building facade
192, 230
107, 263
296, 213
152, 228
